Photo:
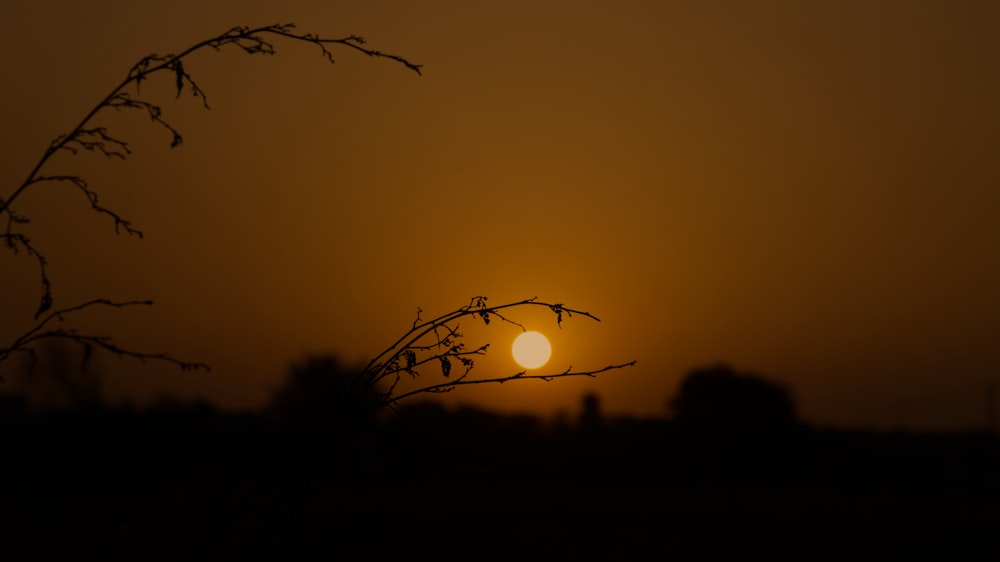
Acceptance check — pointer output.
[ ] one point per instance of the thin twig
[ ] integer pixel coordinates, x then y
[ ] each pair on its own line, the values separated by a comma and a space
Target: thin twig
96, 139
438, 341
521, 376
42, 331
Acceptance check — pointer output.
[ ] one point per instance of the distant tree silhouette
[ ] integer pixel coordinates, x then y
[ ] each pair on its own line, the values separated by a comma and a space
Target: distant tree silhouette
719, 397
325, 422
58, 381
434, 342
590, 413
733, 422
320, 392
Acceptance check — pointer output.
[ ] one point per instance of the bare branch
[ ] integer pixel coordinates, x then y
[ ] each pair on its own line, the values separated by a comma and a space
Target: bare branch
44, 330
521, 376
17, 242
120, 223
437, 342
85, 137
89, 138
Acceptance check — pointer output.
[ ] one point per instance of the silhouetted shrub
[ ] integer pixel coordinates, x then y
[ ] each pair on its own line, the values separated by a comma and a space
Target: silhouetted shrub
323, 392
718, 397
733, 424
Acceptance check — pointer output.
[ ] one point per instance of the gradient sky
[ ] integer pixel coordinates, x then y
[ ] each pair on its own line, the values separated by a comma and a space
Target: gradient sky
807, 190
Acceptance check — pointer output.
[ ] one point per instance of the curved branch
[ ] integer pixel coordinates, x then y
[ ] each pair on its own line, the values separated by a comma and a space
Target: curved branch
437, 341
96, 139
449, 386
41, 331
249, 40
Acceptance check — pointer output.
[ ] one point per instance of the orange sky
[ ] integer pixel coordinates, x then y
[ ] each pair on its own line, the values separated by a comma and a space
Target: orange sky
806, 190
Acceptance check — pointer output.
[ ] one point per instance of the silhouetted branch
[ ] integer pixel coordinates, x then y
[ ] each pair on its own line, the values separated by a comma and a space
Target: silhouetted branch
436, 342
449, 386
99, 140
17, 242
43, 330
91, 195
96, 139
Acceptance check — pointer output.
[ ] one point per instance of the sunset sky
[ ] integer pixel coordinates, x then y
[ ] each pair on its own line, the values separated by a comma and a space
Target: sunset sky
806, 190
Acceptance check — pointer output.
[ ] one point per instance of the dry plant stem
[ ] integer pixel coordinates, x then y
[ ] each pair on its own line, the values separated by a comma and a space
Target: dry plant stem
437, 341
42, 330
86, 137
569, 372
97, 139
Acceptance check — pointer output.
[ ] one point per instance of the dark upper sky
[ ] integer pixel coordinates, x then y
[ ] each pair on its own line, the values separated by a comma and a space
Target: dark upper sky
806, 190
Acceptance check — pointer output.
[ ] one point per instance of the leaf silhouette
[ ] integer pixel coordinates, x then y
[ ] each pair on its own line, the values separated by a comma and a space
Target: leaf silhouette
45, 305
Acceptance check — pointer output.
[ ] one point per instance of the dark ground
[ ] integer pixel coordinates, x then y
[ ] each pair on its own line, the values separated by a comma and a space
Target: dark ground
189, 482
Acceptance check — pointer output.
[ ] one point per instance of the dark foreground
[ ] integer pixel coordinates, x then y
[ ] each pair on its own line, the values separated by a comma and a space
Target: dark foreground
191, 483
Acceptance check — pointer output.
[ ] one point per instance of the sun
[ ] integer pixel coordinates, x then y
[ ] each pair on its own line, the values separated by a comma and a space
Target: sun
531, 350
